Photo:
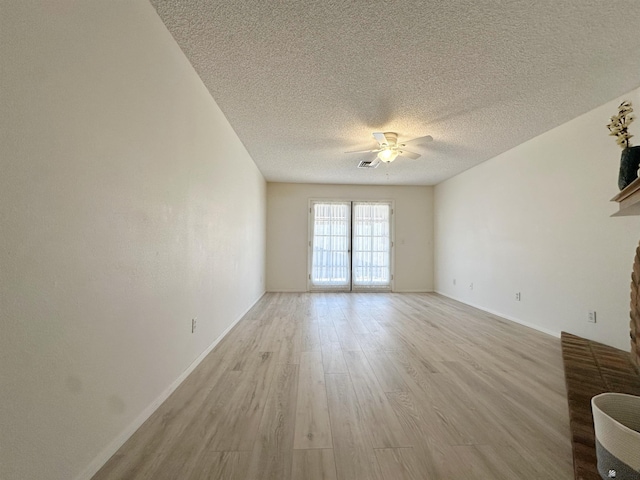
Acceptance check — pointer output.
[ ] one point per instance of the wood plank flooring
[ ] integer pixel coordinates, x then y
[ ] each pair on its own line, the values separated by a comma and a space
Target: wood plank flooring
371, 386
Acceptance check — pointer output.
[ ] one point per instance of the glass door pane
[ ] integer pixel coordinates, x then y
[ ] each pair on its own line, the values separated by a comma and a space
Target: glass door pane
331, 262
371, 245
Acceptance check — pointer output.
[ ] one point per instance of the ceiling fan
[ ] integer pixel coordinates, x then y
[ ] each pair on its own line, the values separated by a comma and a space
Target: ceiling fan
389, 148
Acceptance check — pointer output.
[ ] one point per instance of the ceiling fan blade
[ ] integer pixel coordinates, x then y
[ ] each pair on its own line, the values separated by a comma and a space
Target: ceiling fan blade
380, 138
365, 151
411, 155
425, 139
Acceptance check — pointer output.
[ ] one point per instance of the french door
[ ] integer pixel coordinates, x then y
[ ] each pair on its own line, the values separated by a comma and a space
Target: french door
350, 246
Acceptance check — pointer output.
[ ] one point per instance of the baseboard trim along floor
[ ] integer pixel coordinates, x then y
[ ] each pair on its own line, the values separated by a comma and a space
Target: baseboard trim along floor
117, 442
553, 333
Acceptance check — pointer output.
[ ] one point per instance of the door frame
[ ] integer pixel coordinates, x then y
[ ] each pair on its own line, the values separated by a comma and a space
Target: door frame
392, 250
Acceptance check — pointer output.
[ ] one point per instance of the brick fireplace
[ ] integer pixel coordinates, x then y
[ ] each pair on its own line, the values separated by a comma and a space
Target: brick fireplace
634, 323
629, 204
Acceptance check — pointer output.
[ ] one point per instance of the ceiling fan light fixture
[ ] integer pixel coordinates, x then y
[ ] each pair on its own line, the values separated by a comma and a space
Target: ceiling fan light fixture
387, 155
389, 148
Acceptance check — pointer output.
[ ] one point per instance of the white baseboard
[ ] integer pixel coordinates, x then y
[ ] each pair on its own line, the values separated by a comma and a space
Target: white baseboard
286, 291
117, 442
502, 315
413, 291
345, 291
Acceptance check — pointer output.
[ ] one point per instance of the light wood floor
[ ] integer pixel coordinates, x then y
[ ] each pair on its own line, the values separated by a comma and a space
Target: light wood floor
362, 386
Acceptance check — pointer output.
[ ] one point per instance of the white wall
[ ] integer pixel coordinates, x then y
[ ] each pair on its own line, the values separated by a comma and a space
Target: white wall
287, 232
536, 220
128, 206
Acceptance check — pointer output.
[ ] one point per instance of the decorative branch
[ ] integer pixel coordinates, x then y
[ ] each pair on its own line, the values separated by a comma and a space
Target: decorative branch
620, 124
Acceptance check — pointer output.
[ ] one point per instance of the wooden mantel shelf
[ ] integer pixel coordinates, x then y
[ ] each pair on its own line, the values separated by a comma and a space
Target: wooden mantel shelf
628, 200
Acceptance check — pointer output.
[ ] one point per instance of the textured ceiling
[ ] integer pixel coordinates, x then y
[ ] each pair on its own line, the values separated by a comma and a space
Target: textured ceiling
301, 82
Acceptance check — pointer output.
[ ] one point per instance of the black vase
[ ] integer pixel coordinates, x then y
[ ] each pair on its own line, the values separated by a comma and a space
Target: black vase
629, 164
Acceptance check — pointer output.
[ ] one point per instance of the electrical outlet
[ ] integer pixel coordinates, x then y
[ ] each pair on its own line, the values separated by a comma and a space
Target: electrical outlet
591, 317
454, 281
471, 286
193, 324
518, 296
